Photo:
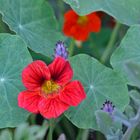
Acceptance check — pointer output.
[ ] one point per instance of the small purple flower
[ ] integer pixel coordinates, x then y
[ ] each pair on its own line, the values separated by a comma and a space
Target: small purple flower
61, 50
108, 107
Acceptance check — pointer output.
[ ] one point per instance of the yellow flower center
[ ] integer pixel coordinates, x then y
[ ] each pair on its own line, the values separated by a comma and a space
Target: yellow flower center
82, 20
50, 87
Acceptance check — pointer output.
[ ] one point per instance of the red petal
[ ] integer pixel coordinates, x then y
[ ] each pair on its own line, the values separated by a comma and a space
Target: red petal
61, 71
94, 22
29, 101
52, 107
73, 93
80, 33
70, 15
34, 75
67, 28
76, 31
72, 29
70, 20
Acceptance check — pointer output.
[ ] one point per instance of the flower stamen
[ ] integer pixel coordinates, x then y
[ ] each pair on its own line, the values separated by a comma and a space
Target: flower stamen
82, 20
49, 87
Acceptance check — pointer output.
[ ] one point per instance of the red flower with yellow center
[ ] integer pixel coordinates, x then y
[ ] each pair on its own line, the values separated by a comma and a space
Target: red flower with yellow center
50, 90
79, 27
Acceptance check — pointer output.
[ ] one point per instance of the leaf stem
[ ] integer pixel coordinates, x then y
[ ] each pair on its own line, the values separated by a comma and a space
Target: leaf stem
134, 122
51, 127
71, 47
111, 42
82, 134
70, 130
2, 26
33, 119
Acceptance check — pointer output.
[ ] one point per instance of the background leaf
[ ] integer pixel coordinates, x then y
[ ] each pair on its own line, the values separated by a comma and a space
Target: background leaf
96, 43
104, 121
108, 126
133, 71
34, 21
135, 96
14, 56
119, 9
5, 135
126, 58
34, 132
100, 83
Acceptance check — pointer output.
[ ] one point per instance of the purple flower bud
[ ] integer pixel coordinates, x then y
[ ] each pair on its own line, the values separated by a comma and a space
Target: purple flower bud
108, 107
61, 50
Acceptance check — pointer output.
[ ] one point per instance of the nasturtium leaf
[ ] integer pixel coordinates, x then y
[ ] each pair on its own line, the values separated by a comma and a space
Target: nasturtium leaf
126, 57
125, 11
100, 83
14, 56
34, 21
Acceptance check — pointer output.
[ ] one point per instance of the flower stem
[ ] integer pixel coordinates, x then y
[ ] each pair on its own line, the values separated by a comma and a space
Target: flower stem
82, 134
51, 127
67, 126
71, 47
109, 47
134, 122
33, 118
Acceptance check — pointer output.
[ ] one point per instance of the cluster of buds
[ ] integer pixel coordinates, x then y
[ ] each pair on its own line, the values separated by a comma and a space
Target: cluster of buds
108, 107
61, 50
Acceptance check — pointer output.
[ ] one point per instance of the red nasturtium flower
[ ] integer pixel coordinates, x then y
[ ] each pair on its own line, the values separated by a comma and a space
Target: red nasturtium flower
50, 90
79, 27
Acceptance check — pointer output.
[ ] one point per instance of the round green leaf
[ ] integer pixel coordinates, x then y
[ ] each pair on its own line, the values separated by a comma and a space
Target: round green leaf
14, 56
100, 83
119, 9
127, 56
34, 21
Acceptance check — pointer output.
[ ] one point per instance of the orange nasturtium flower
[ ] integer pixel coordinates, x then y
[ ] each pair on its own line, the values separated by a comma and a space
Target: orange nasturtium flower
79, 27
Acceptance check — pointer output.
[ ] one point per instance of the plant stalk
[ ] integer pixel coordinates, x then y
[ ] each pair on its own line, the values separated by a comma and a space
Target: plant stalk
134, 122
71, 47
82, 134
111, 42
51, 127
